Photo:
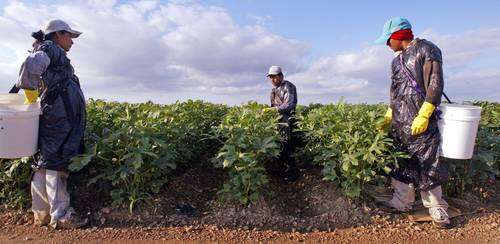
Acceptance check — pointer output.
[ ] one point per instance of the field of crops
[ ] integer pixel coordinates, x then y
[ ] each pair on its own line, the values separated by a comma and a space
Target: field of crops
133, 150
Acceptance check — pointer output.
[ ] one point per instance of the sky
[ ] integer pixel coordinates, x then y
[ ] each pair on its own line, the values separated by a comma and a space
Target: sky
220, 50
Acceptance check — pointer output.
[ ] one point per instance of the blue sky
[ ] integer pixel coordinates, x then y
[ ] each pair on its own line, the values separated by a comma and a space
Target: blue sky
219, 50
336, 26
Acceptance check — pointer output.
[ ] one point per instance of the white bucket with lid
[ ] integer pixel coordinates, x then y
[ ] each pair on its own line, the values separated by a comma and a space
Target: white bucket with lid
458, 128
18, 126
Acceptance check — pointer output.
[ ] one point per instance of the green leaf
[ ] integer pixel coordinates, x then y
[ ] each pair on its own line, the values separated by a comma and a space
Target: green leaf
138, 162
93, 180
345, 166
13, 167
80, 161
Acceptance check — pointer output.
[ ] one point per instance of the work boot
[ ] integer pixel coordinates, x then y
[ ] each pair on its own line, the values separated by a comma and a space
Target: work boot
41, 218
402, 198
388, 207
74, 222
71, 220
440, 217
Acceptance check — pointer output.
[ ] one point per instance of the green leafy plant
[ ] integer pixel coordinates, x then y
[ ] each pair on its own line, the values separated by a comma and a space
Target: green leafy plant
484, 167
342, 138
15, 182
251, 139
134, 147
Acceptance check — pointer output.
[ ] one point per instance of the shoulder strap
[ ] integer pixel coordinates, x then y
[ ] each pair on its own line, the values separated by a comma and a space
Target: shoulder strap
414, 83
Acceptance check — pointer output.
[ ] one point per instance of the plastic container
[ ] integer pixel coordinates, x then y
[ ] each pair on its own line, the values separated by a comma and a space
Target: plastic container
18, 126
12, 99
458, 127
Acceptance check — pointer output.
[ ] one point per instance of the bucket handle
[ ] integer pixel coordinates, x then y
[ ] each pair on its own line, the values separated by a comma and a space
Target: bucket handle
14, 89
444, 94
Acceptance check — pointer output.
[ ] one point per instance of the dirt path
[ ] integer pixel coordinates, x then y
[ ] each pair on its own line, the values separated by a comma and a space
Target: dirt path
482, 227
308, 210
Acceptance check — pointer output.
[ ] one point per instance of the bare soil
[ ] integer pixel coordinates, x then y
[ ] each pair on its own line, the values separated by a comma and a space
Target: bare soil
309, 209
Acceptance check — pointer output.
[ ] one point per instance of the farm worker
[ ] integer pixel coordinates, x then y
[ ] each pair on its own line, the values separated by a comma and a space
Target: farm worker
417, 85
284, 100
48, 70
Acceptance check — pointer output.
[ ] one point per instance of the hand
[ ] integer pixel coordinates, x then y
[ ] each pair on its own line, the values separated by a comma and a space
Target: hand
265, 110
419, 125
421, 122
387, 121
30, 96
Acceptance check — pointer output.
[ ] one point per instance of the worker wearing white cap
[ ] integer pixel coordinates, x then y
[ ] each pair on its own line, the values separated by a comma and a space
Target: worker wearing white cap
62, 124
284, 99
58, 25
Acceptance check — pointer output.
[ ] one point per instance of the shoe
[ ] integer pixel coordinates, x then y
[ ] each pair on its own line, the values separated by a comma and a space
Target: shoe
71, 220
41, 218
388, 207
74, 222
440, 217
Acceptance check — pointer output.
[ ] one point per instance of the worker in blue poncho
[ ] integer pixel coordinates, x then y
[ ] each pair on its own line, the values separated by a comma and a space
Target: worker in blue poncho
416, 89
48, 71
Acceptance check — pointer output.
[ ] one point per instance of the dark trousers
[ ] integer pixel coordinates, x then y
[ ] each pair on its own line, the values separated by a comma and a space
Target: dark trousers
287, 167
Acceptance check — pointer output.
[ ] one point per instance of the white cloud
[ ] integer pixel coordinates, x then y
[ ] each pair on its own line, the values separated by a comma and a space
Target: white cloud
358, 76
177, 46
165, 51
471, 63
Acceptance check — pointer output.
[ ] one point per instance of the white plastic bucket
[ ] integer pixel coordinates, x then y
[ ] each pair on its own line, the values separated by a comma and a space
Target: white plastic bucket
458, 127
11, 98
18, 126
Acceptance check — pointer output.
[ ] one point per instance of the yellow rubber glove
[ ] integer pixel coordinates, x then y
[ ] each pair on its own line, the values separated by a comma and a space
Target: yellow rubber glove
30, 96
265, 110
387, 120
421, 122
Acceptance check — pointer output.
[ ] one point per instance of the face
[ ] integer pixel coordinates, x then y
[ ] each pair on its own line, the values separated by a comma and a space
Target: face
65, 40
395, 45
276, 79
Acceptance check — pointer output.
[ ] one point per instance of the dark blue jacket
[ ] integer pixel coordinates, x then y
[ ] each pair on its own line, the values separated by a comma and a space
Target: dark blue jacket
62, 123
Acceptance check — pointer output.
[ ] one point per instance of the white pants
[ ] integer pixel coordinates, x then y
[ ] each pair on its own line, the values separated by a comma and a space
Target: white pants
404, 196
50, 197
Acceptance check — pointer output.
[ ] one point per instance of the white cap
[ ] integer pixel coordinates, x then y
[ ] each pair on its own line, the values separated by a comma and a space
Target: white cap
274, 70
59, 25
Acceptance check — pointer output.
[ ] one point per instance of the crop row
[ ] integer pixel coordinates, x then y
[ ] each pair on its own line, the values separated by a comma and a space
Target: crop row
133, 150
